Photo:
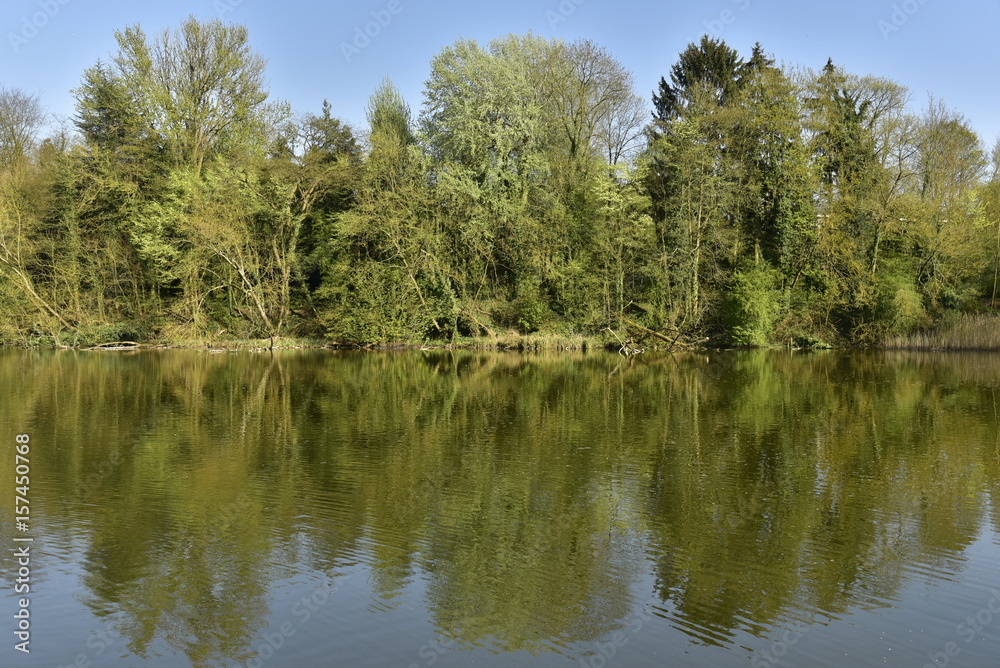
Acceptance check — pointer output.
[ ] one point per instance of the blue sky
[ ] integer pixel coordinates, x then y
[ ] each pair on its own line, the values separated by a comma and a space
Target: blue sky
931, 46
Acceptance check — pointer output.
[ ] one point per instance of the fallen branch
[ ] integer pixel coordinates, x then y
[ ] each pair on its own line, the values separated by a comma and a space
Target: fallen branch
650, 332
625, 350
616, 336
117, 345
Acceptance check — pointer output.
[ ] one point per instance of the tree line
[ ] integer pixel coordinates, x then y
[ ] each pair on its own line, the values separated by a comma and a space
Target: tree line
535, 191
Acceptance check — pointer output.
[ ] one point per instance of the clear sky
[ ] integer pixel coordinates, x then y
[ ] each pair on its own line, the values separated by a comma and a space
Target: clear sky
948, 48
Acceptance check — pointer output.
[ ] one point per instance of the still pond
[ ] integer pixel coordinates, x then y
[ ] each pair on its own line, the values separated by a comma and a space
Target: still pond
444, 508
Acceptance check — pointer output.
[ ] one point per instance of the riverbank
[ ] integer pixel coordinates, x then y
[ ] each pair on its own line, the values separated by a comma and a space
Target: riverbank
968, 332
513, 341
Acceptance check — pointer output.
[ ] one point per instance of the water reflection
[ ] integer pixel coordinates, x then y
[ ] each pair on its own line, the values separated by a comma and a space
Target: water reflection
531, 503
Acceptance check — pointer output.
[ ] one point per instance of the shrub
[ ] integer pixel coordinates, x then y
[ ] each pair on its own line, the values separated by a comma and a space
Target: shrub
753, 305
899, 306
93, 335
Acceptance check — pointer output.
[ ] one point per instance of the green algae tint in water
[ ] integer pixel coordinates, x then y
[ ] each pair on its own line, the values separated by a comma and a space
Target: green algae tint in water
455, 509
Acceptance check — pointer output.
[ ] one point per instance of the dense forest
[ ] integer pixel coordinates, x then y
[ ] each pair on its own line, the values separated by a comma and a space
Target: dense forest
534, 191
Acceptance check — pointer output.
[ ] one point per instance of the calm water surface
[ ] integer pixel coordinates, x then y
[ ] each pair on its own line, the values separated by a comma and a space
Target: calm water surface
456, 509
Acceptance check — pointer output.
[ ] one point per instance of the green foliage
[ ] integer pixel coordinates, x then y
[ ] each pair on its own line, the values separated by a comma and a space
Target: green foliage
753, 305
764, 205
530, 311
899, 304
372, 303
388, 113
200, 88
709, 73
93, 335
153, 230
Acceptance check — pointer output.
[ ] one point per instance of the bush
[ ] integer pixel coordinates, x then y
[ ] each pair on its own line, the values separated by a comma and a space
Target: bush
372, 303
753, 305
899, 306
531, 314
93, 335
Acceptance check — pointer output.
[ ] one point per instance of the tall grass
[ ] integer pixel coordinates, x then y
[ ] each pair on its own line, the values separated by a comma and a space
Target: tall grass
536, 341
967, 332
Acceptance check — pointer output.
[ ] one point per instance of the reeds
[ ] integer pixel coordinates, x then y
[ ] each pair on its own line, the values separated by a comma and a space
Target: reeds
967, 332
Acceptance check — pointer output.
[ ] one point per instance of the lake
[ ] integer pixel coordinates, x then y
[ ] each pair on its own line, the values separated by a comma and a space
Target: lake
440, 508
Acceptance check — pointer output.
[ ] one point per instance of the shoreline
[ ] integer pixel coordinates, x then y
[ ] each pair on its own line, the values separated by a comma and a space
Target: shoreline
525, 344
514, 342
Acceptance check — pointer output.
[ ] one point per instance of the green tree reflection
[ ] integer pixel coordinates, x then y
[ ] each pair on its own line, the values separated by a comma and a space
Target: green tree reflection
540, 497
